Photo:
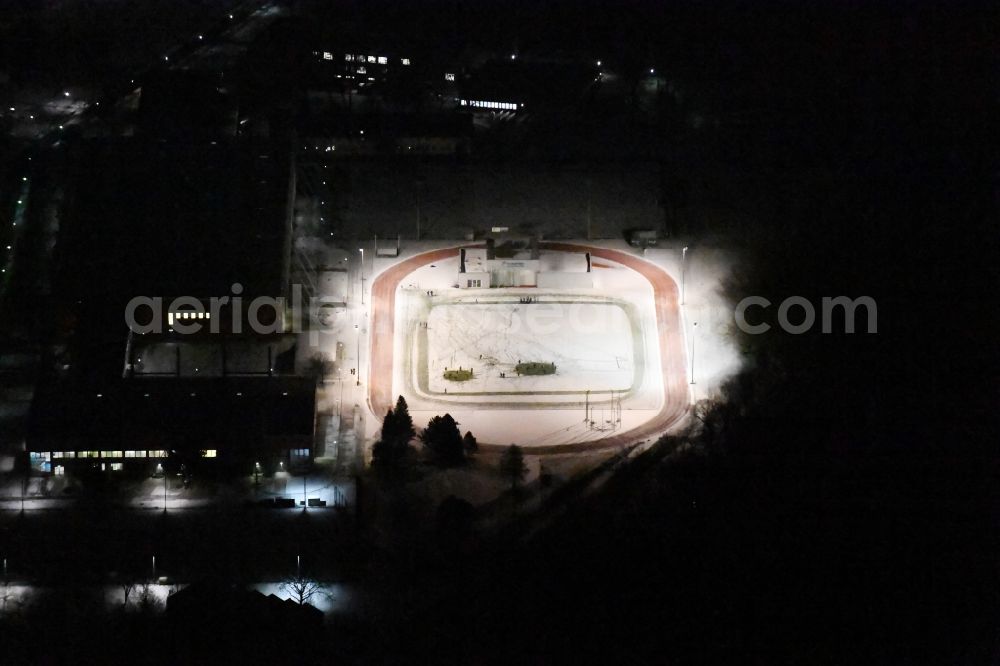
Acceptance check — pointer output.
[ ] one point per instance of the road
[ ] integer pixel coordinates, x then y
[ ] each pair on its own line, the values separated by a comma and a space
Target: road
671, 340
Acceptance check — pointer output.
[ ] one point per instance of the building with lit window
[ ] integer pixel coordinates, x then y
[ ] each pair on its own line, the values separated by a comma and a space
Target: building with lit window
183, 226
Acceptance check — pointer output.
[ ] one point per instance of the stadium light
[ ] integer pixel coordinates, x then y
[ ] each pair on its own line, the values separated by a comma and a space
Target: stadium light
694, 328
362, 274
683, 271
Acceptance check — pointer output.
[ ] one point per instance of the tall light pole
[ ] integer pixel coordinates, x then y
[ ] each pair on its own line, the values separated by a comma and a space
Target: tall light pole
357, 369
694, 329
684, 253
362, 274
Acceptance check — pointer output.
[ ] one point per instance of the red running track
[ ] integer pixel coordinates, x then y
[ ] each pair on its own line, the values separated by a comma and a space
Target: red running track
668, 324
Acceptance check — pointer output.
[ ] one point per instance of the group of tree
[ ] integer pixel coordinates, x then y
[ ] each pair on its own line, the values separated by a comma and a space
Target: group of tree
393, 447
443, 442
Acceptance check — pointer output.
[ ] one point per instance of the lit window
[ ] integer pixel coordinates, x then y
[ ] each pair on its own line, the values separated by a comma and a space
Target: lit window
112, 454
158, 454
348, 57
59, 470
372, 59
116, 467
41, 455
135, 454
362, 70
88, 454
210, 453
448, 76
406, 61
382, 60
327, 55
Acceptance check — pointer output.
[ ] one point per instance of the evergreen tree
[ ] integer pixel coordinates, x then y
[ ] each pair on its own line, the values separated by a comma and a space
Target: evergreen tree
397, 432
387, 452
469, 443
404, 422
512, 465
443, 441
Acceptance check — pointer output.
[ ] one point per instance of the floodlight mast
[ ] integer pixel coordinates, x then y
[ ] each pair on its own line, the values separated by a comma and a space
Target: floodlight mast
361, 274
683, 270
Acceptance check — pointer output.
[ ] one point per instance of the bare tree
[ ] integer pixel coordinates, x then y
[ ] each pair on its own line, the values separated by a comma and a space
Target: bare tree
302, 589
148, 601
5, 596
127, 583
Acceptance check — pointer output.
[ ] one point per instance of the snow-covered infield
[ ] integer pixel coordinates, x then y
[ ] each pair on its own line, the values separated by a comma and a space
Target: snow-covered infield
593, 343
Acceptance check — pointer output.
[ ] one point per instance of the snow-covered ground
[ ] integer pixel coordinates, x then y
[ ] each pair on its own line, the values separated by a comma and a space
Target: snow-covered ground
590, 343
711, 346
603, 341
530, 421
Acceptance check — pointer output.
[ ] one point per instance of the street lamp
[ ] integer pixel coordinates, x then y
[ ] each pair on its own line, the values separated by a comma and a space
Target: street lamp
362, 273
159, 468
694, 329
684, 253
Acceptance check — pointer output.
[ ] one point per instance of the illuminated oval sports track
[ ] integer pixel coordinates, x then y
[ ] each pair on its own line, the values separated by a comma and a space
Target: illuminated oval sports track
669, 332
